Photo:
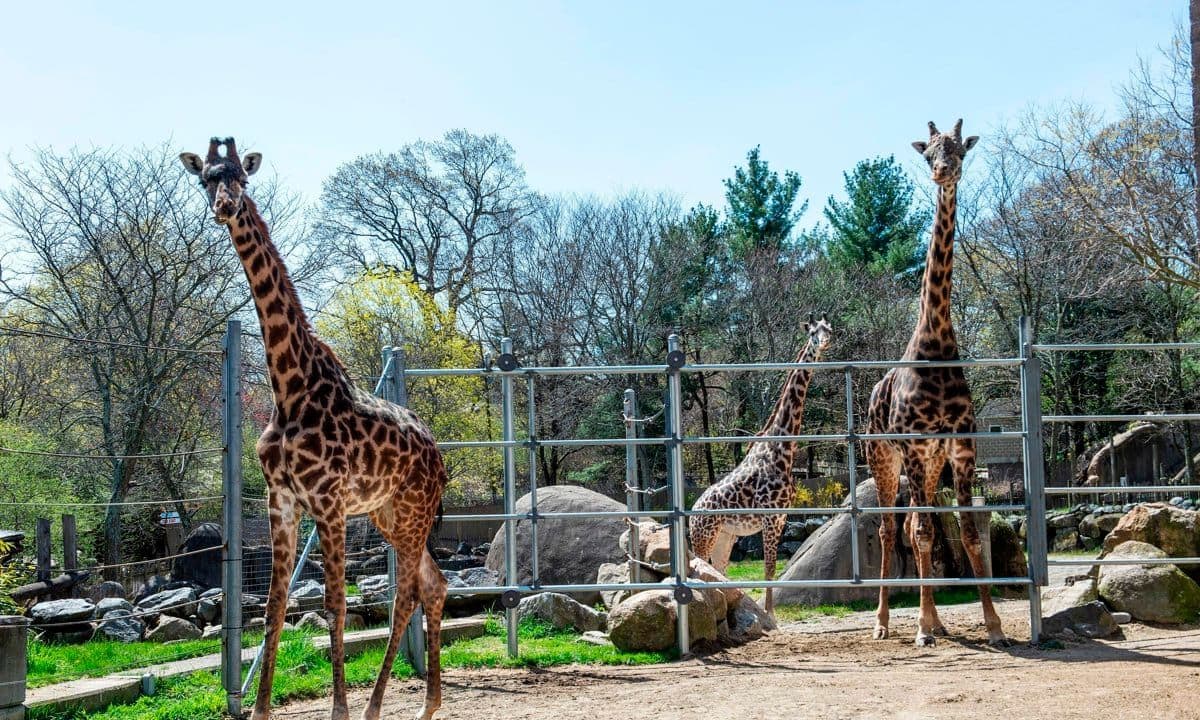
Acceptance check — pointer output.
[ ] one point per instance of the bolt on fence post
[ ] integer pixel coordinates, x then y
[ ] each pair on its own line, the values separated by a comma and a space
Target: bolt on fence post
852, 467
632, 486
231, 475
510, 501
13, 640
679, 564
414, 634
531, 399
1035, 479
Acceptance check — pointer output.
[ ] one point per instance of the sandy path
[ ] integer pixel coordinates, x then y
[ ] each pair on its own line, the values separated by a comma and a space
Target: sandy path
832, 669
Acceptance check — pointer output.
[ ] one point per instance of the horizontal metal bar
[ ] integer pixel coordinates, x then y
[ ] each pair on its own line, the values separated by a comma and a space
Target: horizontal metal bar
852, 364
716, 367
553, 515
941, 509
1131, 490
769, 511
1161, 417
1128, 561
588, 442
849, 437
1084, 347
697, 585
861, 510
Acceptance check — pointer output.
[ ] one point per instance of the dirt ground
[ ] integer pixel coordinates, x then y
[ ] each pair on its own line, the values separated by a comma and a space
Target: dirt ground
832, 669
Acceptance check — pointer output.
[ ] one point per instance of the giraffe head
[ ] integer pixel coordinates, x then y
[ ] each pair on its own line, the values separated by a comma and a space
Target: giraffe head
945, 152
820, 332
223, 177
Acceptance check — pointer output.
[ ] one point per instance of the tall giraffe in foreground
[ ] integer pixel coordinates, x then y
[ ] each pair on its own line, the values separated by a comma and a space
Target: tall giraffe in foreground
330, 450
929, 400
763, 479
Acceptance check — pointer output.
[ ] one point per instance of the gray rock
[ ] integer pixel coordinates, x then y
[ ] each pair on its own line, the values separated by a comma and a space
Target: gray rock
208, 610
1090, 620
179, 602
1065, 540
374, 565
747, 621
256, 624
570, 550
561, 611
614, 573
211, 631
1099, 525
108, 589
1122, 618
465, 579
596, 637
119, 625
1061, 521
1151, 593
646, 621
173, 628
1058, 599
373, 588
53, 612
314, 621
309, 595
107, 605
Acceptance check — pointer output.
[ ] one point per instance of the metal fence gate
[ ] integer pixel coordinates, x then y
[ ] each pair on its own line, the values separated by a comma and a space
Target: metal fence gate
508, 369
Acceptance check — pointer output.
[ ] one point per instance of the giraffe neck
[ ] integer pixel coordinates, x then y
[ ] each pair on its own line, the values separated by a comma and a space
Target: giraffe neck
787, 416
934, 337
290, 343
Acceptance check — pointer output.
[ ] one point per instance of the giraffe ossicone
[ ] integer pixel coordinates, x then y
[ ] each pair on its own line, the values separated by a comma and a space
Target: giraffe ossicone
330, 450
929, 400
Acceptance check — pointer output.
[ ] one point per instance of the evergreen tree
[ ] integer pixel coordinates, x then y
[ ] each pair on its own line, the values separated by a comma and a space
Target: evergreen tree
877, 227
761, 213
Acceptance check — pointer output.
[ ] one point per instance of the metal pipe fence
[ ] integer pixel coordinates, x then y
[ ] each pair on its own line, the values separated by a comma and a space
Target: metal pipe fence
508, 370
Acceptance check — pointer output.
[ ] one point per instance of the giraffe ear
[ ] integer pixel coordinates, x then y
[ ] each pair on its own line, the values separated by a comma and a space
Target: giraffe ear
251, 162
970, 142
191, 162
920, 146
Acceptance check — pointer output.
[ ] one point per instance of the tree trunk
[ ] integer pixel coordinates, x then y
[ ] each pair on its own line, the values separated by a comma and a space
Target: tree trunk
1194, 17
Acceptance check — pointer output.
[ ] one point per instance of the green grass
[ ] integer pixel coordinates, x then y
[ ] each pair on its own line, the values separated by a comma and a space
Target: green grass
753, 570
51, 663
304, 672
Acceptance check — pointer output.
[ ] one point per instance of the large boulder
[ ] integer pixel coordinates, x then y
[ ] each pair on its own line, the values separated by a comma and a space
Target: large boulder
64, 620
309, 595
647, 620
1151, 593
173, 628
180, 602
108, 589
570, 550
476, 577
1174, 530
1089, 620
107, 605
203, 568
1098, 525
120, 625
561, 612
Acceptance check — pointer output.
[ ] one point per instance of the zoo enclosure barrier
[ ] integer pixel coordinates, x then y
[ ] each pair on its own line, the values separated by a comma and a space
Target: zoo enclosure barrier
507, 369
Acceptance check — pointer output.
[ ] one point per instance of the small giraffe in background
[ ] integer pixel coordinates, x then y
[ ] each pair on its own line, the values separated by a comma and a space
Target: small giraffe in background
763, 479
330, 450
929, 400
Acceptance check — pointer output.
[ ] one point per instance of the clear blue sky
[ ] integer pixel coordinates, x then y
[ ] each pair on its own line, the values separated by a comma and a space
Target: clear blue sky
596, 97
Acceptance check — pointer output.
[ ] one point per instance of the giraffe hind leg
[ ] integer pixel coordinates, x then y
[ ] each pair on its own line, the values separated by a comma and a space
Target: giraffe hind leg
963, 465
885, 468
432, 589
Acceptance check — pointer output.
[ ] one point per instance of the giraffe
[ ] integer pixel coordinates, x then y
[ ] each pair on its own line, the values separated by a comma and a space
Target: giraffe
763, 479
330, 450
929, 400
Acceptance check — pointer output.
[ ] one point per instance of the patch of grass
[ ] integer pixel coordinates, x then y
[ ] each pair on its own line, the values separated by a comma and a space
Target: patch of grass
753, 570
304, 672
51, 663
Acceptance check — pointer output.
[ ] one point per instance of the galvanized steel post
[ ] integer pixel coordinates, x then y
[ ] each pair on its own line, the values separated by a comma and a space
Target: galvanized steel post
414, 634
510, 491
852, 467
632, 486
1035, 478
679, 564
531, 400
231, 481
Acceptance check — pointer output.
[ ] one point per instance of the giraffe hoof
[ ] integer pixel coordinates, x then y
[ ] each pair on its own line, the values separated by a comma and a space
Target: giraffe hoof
1000, 641
925, 640
881, 632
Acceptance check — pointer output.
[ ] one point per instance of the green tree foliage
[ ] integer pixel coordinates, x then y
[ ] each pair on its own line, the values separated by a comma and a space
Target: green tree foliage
386, 307
762, 206
877, 227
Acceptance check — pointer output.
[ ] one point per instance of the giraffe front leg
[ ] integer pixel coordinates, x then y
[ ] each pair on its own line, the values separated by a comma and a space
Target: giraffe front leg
283, 512
773, 526
921, 533
331, 529
885, 467
963, 464
432, 587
